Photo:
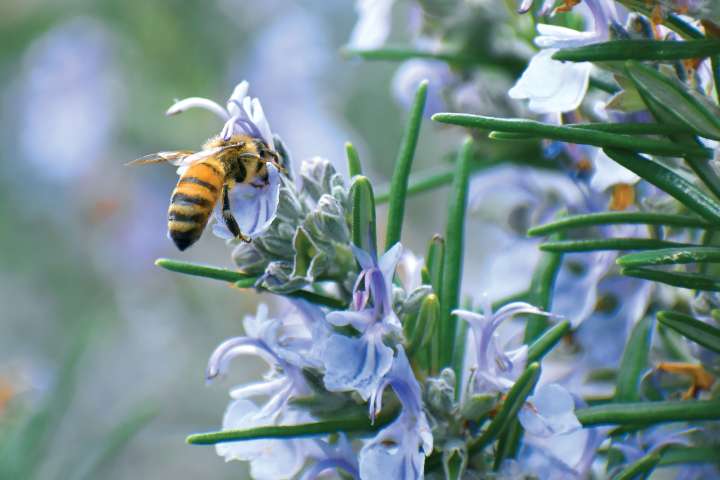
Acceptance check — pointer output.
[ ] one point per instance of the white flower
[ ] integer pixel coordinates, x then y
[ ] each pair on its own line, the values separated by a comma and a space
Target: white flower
550, 411
552, 86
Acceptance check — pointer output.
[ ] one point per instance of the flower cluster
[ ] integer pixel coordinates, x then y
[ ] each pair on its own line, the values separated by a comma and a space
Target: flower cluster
379, 367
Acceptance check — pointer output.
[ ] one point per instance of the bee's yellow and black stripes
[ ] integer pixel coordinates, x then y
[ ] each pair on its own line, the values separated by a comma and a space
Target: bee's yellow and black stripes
193, 200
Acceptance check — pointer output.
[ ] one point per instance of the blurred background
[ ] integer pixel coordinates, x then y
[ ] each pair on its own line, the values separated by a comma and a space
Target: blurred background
84, 87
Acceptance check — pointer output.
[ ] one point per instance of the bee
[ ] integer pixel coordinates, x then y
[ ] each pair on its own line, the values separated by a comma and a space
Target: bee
209, 176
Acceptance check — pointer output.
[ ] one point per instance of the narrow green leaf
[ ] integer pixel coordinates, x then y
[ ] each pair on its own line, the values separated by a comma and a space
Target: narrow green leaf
595, 244
400, 54
671, 256
612, 218
452, 265
677, 454
673, 98
343, 424
619, 50
435, 261
547, 341
572, 135
641, 467
621, 128
696, 330
353, 159
634, 362
670, 182
454, 459
109, 448
695, 281
363, 214
541, 290
649, 412
420, 331
204, 271
403, 164
514, 400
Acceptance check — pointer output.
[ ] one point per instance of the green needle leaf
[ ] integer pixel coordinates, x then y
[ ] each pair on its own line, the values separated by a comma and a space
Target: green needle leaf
403, 164
241, 280
638, 413
673, 100
670, 182
548, 340
514, 400
353, 159
671, 256
420, 331
641, 467
204, 271
611, 218
621, 128
634, 362
452, 268
676, 454
595, 244
571, 134
344, 424
618, 50
363, 214
695, 281
696, 330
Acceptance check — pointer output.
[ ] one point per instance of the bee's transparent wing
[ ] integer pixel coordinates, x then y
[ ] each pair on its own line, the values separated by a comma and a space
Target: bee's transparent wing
178, 157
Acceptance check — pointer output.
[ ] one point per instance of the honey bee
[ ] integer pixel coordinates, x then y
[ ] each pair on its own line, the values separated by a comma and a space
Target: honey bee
210, 175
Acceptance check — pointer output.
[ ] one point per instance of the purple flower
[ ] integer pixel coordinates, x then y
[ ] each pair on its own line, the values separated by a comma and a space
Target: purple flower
496, 367
399, 450
360, 363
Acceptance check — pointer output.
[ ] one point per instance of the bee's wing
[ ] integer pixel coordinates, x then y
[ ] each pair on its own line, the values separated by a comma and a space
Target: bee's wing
177, 157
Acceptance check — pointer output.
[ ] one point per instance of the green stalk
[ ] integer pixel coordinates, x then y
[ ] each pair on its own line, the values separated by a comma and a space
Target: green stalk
353, 159
695, 281
634, 362
695, 330
671, 256
203, 270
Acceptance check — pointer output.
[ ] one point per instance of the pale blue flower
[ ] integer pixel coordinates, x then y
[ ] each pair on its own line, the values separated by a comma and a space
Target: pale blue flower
549, 412
552, 86
286, 345
338, 457
398, 451
412, 72
565, 457
254, 206
495, 367
269, 459
266, 339
359, 363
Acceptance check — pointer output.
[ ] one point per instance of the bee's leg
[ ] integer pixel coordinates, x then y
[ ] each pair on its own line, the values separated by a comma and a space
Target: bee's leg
228, 218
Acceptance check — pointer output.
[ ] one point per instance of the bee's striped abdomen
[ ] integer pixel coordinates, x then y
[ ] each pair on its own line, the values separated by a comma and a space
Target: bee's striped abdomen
192, 202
